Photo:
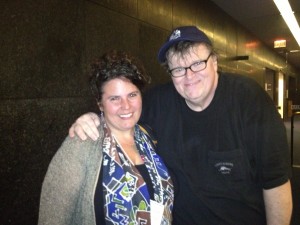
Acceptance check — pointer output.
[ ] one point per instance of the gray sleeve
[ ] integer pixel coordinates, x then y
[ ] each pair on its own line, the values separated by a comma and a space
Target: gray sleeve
62, 183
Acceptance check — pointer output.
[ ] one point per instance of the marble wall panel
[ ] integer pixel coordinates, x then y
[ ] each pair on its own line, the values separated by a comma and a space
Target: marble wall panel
31, 132
151, 40
106, 30
156, 12
42, 51
183, 13
128, 7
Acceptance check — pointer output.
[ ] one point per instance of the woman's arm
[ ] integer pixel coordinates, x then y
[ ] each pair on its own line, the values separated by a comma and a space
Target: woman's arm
62, 184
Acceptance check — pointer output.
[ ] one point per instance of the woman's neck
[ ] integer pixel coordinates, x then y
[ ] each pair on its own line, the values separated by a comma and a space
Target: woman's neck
127, 144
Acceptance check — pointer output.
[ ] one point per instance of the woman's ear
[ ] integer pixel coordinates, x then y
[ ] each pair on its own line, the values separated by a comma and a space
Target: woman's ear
100, 106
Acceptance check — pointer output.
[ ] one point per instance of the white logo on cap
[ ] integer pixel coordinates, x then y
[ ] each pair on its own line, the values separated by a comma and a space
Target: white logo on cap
176, 34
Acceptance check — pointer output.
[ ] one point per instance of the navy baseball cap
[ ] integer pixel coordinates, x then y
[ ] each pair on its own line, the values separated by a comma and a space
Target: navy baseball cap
185, 33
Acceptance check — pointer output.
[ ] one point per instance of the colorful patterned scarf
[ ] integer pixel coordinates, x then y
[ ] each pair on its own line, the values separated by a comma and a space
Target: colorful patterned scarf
126, 198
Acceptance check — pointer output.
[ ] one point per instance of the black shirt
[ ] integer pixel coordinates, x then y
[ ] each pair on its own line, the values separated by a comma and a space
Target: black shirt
219, 158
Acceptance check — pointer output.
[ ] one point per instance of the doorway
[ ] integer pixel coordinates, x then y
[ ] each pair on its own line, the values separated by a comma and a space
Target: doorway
269, 83
281, 90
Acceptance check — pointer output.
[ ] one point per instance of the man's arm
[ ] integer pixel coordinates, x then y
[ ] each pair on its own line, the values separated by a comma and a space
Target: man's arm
86, 126
278, 204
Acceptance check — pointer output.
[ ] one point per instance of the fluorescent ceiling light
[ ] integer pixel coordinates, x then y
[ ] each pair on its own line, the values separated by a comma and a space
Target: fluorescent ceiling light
289, 17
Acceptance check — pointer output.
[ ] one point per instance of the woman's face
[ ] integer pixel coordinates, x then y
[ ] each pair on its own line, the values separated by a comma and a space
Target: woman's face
121, 103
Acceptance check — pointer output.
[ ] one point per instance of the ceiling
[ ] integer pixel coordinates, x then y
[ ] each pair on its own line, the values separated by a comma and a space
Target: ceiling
262, 18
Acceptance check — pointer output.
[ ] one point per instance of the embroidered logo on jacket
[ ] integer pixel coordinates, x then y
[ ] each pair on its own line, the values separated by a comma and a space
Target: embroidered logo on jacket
224, 167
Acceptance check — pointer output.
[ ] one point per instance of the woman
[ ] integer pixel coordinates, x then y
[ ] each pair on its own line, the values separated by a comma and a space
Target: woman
119, 179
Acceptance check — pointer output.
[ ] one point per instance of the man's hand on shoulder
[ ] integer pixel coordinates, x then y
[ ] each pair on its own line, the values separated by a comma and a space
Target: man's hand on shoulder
86, 126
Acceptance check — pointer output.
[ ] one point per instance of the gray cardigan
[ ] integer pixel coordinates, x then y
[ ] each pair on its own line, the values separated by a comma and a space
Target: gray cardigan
69, 186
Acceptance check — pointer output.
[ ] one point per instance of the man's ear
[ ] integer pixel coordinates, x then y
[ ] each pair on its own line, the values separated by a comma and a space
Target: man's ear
215, 58
215, 62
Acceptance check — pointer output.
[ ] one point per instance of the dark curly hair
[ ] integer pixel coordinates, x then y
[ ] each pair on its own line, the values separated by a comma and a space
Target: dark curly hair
117, 64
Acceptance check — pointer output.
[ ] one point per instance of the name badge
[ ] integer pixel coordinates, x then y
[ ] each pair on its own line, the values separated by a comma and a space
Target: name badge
157, 210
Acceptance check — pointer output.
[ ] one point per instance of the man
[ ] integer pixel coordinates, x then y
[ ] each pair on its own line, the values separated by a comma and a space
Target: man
220, 136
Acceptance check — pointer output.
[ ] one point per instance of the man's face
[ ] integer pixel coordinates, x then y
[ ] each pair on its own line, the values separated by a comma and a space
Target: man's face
198, 88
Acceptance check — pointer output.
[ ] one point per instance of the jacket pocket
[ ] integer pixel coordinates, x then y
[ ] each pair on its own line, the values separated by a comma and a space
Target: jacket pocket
228, 166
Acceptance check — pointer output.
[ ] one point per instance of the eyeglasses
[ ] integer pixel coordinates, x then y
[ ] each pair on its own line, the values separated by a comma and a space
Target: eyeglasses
195, 67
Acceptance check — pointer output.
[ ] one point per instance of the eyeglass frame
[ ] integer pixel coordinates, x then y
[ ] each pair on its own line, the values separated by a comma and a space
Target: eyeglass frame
190, 67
